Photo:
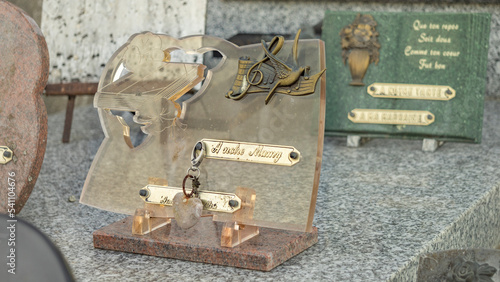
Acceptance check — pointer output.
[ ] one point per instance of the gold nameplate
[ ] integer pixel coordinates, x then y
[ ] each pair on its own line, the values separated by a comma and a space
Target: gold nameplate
212, 201
251, 152
391, 117
411, 91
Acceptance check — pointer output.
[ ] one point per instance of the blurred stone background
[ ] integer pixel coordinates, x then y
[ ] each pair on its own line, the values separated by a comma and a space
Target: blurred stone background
82, 35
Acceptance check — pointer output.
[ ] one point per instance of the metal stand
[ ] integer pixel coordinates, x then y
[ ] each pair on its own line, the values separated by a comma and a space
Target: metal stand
71, 90
431, 145
234, 232
355, 141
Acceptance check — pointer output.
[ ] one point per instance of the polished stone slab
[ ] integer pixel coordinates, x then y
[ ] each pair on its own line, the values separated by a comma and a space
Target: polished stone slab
264, 252
24, 69
380, 207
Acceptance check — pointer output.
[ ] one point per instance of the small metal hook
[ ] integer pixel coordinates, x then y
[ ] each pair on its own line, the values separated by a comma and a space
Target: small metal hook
196, 160
193, 191
194, 169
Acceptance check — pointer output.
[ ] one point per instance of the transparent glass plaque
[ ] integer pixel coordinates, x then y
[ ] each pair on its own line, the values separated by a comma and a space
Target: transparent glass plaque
248, 98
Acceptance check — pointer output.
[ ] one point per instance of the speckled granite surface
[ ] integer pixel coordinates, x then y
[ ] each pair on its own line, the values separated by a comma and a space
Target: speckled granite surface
83, 35
379, 207
285, 17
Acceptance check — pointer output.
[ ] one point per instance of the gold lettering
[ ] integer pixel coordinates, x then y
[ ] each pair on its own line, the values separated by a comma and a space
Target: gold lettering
424, 65
443, 39
449, 27
424, 38
439, 66
166, 201
411, 91
392, 116
433, 26
277, 157
372, 116
209, 205
217, 148
398, 91
259, 152
451, 53
435, 53
236, 150
418, 26
410, 52
250, 152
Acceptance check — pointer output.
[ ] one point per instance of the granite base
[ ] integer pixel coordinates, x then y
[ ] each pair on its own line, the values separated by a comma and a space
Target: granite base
264, 252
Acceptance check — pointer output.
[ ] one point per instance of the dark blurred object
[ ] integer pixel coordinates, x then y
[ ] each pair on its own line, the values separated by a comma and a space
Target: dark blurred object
308, 32
242, 39
26, 254
211, 59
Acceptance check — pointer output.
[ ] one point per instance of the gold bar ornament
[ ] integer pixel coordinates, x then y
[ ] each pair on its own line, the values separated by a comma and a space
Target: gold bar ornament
251, 152
411, 91
212, 201
404, 117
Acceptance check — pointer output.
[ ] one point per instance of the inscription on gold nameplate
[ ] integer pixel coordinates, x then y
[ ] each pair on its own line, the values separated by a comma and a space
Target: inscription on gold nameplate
212, 201
391, 117
251, 152
411, 91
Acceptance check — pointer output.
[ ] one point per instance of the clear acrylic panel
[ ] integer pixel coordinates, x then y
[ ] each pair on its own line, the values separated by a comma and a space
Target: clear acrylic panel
140, 79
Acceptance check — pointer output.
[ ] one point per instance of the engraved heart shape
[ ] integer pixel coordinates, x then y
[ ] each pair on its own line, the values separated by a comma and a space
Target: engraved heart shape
187, 211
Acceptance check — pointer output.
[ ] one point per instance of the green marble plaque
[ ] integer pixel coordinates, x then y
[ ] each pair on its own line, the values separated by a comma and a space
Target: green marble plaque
406, 75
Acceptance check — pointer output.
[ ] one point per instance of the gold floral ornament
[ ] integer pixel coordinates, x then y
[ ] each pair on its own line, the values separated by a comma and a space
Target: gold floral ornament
144, 54
360, 46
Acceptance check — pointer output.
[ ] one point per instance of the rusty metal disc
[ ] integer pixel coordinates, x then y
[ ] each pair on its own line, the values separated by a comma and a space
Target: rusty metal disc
24, 67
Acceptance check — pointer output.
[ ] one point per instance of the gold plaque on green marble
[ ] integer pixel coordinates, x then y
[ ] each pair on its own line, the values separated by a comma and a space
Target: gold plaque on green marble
411, 91
401, 117
403, 68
